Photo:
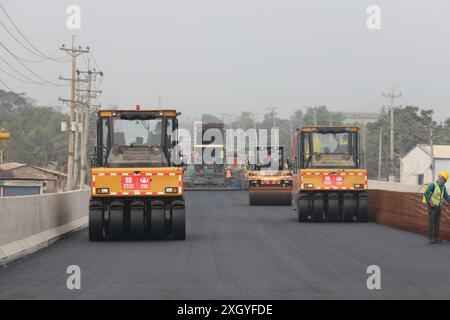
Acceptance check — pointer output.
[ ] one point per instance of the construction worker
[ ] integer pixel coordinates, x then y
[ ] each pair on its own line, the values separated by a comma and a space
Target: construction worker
229, 177
435, 196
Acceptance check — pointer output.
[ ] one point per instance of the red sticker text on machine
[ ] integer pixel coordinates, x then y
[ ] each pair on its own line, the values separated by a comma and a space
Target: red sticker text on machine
333, 180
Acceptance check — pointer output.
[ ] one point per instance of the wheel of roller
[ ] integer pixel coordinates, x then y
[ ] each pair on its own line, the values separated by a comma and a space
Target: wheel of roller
363, 207
178, 223
256, 198
332, 213
318, 207
250, 199
157, 227
348, 207
117, 223
303, 208
137, 222
286, 198
96, 224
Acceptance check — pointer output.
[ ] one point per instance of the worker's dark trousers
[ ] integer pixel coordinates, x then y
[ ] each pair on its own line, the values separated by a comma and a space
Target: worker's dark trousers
434, 222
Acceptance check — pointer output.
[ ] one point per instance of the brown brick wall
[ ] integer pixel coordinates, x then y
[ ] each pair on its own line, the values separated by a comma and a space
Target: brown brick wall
405, 211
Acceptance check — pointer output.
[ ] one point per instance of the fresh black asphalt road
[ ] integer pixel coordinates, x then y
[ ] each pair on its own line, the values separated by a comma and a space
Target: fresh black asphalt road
234, 251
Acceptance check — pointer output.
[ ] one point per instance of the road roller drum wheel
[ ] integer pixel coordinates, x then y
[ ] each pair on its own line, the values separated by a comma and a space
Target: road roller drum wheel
332, 213
178, 223
157, 227
117, 223
137, 221
348, 207
363, 207
96, 224
318, 206
303, 208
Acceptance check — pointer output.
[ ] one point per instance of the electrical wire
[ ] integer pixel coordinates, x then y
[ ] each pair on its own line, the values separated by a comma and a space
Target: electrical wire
6, 86
28, 80
26, 67
95, 61
40, 53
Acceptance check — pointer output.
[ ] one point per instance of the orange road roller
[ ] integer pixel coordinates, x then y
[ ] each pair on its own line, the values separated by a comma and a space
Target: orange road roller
136, 187
330, 181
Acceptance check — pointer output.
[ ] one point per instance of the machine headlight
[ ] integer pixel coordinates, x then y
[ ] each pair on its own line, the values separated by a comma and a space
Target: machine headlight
254, 182
358, 186
171, 190
102, 190
309, 185
286, 181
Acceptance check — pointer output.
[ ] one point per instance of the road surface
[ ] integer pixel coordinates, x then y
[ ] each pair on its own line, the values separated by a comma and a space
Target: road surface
234, 251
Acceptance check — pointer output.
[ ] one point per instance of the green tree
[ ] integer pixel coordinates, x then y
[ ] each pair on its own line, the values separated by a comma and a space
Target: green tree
209, 118
322, 117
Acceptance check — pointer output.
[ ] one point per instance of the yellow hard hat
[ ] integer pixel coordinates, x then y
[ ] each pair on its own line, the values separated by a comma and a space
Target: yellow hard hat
444, 174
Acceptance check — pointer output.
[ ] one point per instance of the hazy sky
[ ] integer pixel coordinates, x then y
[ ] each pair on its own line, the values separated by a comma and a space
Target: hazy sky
233, 55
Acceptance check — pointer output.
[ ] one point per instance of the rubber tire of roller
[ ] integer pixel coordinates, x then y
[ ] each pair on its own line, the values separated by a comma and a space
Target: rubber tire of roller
116, 224
157, 227
348, 207
250, 199
137, 223
363, 207
318, 207
179, 223
96, 224
303, 208
332, 214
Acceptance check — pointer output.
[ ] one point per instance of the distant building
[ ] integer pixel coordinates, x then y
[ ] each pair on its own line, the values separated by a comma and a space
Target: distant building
415, 166
50, 181
360, 117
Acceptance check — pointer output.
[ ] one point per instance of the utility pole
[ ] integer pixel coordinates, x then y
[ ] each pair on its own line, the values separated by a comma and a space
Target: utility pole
272, 113
380, 149
91, 76
78, 111
392, 96
315, 114
74, 53
3, 136
433, 174
364, 130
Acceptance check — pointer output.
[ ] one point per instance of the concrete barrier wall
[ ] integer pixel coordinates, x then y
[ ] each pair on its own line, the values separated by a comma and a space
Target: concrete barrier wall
28, 222
400, 206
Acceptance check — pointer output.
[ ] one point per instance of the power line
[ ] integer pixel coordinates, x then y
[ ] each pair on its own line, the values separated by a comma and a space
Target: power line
18, 41
6, 86
20, 58
26, 39
95, 62
28, 80
26, 67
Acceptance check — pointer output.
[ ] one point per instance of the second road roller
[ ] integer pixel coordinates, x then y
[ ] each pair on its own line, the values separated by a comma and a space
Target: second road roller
269, 182
330, 178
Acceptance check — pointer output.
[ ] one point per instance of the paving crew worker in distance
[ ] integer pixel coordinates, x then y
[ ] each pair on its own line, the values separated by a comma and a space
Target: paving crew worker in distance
435, 196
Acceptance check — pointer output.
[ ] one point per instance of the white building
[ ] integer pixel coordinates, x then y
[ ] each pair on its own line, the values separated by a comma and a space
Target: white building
415, 166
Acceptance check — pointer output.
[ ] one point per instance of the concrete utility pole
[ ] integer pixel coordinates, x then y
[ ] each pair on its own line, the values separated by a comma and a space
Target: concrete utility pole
3, 136
364, 142
90, 94
272, 112
392, 96
380, 150
433, 173
76, 161
315, 114
74, 53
